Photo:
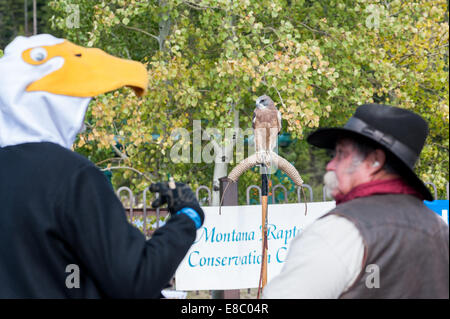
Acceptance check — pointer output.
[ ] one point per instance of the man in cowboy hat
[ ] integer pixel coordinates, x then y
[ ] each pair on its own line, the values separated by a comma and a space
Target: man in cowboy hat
380, 241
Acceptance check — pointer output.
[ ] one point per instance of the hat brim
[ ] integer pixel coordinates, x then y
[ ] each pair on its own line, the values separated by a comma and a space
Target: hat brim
327, 137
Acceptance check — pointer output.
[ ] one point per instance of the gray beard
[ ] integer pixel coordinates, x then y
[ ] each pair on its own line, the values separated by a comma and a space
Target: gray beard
331, 183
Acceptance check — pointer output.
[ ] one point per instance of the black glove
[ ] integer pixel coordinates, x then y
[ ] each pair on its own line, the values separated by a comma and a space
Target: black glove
176, 199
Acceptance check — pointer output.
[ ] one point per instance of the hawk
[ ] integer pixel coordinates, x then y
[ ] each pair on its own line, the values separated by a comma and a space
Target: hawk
266, 126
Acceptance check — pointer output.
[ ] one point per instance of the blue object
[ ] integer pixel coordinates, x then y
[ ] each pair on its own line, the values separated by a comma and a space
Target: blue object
440, 207
192, 215
284, 140
108, 175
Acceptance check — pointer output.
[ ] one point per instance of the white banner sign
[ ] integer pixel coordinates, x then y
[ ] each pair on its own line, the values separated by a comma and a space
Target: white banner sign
227, 251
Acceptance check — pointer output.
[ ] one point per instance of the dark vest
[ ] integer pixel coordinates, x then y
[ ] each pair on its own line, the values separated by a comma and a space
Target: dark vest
405, 242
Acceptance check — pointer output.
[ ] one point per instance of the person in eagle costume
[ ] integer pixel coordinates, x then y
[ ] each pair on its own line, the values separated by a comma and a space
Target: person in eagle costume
58, 212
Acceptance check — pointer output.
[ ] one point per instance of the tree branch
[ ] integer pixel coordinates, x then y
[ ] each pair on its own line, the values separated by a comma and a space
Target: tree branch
199, 7
118, 159
118, 152
314, 30
142, 31
127, 167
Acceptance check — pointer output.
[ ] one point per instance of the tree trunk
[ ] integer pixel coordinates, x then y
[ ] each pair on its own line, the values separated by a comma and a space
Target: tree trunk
223, 157
25, 13
226, 152
164, 28
34, 18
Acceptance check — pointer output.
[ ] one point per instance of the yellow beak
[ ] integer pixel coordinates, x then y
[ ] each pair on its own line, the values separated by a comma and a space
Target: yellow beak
86, 72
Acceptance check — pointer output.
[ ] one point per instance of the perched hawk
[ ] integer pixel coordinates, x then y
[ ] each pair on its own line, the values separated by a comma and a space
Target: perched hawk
266, 126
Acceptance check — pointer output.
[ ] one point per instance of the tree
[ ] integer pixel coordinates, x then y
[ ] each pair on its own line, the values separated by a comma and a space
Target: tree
16, 19
209, 60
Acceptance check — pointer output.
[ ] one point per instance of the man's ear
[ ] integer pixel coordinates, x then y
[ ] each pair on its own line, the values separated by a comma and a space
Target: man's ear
375, 161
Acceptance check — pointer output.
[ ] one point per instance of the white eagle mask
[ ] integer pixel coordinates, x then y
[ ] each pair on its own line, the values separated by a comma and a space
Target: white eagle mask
40, 115
35, 116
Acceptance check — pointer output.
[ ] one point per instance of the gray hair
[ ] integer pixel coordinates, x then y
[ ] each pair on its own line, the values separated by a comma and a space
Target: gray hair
364, 147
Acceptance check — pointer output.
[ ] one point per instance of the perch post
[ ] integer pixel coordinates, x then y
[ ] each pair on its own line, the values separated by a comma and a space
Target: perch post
286, 167
264, 221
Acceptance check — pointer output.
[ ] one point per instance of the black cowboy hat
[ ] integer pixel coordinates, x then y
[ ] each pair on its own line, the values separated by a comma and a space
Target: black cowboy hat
401, 133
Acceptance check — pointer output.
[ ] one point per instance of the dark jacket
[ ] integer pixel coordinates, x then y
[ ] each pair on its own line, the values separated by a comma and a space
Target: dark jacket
405, 242
57, 209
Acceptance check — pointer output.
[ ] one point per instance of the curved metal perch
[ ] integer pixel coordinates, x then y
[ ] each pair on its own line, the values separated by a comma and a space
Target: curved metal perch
277, 160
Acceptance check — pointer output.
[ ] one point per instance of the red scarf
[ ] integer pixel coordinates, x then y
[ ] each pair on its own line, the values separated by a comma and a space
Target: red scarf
391, 186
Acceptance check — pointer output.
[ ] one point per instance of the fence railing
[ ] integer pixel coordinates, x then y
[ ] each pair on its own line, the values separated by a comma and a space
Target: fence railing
138, 206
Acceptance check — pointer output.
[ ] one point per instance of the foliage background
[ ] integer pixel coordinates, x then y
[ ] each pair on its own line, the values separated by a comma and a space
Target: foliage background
209, 60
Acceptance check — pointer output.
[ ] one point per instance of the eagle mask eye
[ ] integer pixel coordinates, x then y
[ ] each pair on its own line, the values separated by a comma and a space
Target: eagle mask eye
38, 54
